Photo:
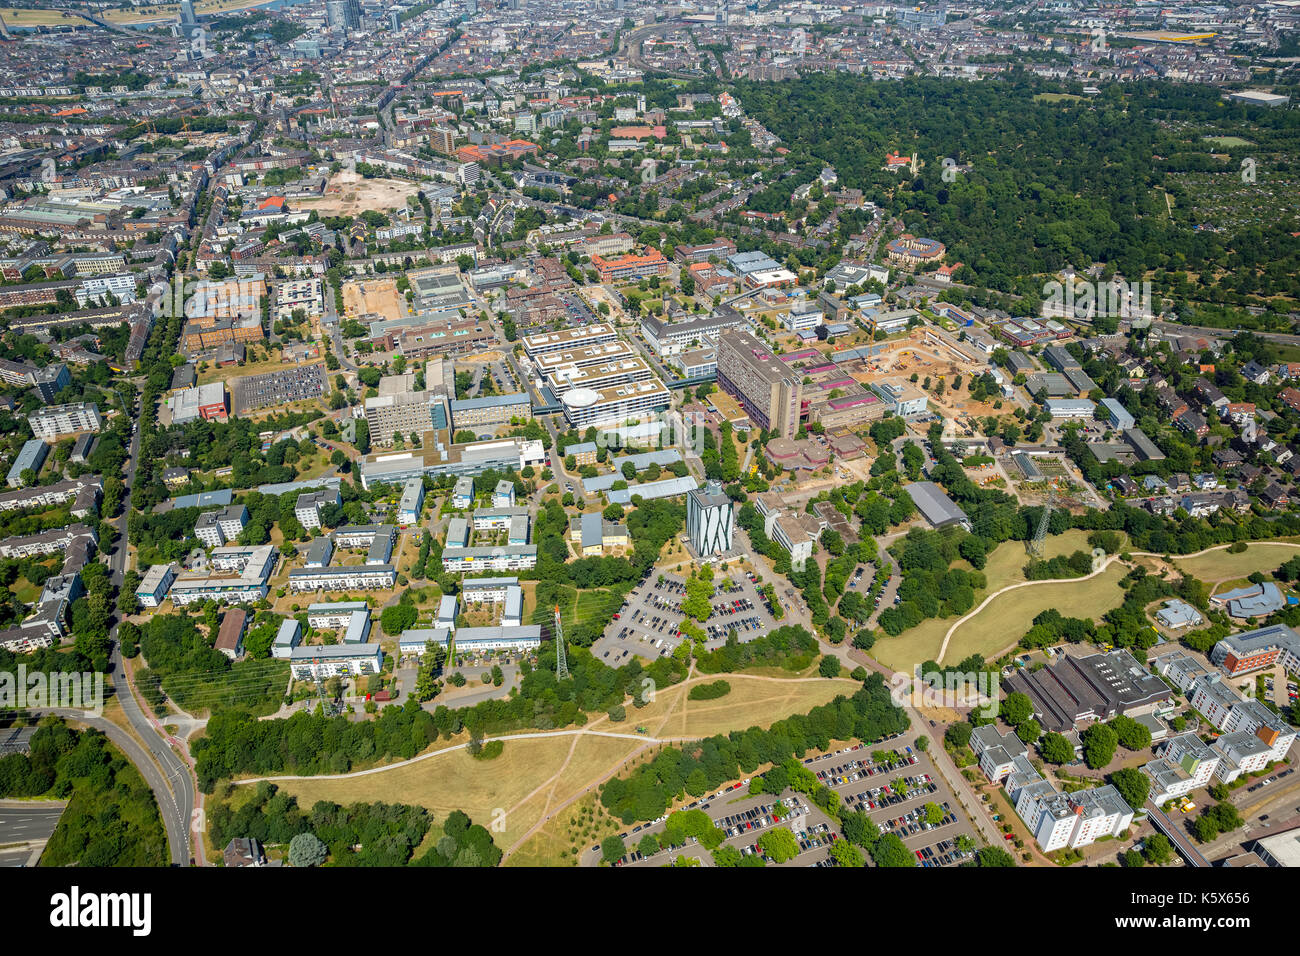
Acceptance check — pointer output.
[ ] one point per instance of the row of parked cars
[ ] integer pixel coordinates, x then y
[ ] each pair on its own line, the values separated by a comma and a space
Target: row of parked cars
879, 798
943, 853
1265, 783
737, 606
744, 624
855, 769
814, 837
757, 818
914, 822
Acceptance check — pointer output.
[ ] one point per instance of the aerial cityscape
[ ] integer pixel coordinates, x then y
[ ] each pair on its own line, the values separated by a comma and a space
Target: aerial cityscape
605, 434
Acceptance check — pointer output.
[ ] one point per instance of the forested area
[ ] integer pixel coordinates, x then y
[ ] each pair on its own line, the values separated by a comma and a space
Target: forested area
111, 818
932, 588
184, 667
1051, 183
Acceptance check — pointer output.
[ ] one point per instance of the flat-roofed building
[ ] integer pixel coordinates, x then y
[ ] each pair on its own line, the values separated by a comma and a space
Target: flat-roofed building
520, 557
319, 662
935, 505
152, 589
710, 516
205, 402
491, 410
669, 338
30, 457
615, 404
286, 639
54, 421
1257, 649
239, 576
767, 388
332, 615
576, 337
520, 637
904, 399
307, 509
631, 369
344, 578
1098, 686
548, 363
487, 590
215, 528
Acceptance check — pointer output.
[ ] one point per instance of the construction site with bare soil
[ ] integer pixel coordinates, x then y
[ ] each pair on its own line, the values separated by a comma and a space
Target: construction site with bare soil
349, 194
373, 297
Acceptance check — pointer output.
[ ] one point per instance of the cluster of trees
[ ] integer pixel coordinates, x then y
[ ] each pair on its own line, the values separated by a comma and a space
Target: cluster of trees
111, 819
360, 834
790, 647
184, 666
1051, 627
711, 691
696, 768
929, 587
1221, 818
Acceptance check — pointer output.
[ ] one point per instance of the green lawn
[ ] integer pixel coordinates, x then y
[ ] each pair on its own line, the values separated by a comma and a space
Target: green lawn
1222, 566
1005, 566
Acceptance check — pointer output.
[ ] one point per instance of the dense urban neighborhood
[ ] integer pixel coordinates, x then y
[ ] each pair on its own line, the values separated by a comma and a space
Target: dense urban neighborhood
598, 434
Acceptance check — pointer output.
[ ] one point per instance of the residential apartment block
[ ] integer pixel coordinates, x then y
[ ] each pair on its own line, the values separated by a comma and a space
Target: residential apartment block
54, 421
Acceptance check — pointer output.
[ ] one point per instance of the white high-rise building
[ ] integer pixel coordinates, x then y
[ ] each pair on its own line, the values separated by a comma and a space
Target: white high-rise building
710, 517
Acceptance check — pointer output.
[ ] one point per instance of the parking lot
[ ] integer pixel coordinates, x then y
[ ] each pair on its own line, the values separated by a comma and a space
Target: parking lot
744, 819
892, 782
894, 794
278, 388
648, 623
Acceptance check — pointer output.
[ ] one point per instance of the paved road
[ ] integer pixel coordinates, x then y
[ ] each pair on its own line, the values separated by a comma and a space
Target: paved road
22, 821
166, 773
175, 822
1177, 328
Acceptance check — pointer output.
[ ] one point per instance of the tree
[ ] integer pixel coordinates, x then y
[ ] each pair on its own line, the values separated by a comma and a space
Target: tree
306, 850
890, 850
958, 735
1157, 849
1099, 743
1029, 730
779, 844
846, 854
396, 619
1015, 709
1131, 734
994, 856
649, 845
1056, 748
612, 849
829, 666
1133, 785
